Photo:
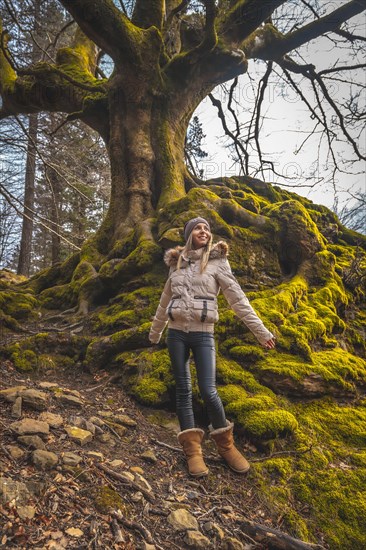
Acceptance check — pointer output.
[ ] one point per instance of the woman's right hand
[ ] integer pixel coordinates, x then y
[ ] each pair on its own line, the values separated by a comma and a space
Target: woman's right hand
270, 344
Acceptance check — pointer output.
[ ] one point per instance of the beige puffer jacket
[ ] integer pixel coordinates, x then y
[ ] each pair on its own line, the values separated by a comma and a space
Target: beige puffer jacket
189, 298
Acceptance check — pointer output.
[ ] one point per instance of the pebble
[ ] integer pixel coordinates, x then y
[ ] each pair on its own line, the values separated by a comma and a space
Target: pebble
16, 411
71, 459
196, 539
149, 456
26, 512
15, 451
74, 532
82, 437
54, 420
70, 400
181, 519
30, 426
44, 460
32, 442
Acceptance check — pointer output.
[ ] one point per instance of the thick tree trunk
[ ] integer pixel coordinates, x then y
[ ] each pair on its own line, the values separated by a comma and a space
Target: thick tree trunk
146, 152
24, 261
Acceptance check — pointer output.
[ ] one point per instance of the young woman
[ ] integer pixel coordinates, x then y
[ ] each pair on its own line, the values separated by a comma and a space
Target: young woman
189, 304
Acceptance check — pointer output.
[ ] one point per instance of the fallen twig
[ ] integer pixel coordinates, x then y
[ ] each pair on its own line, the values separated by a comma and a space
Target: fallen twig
133, 525
104, 384
162, 444
147, 494
117, 533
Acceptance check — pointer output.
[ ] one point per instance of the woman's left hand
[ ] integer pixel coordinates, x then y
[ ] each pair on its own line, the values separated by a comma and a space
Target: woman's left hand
270, 344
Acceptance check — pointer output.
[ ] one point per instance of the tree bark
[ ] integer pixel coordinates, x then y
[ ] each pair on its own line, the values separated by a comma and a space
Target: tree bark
25, 253
24, 262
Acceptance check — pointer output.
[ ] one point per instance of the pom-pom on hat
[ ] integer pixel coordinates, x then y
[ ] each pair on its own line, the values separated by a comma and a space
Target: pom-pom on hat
189, 226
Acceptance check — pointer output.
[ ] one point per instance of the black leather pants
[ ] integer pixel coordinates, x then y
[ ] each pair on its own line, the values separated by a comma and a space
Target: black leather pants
203, 347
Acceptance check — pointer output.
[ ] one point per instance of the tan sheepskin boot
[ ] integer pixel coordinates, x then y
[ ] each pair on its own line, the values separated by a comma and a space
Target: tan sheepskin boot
191, 442
224, 439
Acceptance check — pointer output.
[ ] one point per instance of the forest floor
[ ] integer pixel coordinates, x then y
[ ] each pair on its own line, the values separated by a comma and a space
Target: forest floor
124, 486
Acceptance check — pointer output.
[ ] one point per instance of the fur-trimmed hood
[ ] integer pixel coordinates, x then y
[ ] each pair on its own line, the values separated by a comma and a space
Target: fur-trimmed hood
219, 250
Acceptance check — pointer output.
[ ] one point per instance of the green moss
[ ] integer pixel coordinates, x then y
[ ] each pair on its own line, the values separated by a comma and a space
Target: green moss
154, 379
59, 297
107, 499
24, 360
18, 304
266, 425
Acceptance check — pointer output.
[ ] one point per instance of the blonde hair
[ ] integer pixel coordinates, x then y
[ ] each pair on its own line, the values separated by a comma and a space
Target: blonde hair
205, 255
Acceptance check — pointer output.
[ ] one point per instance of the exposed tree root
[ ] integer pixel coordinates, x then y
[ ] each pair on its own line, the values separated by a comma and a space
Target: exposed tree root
275, 539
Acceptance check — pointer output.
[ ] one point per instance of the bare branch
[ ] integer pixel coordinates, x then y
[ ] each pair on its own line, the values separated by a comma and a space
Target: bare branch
319, 27
339, 68
217, 103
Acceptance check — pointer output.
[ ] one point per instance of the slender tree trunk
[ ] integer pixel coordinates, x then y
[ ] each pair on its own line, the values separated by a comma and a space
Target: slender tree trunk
24, 262
56, 198
25, 253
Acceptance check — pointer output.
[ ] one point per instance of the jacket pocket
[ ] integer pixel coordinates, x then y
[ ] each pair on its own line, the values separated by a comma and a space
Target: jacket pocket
173, 307
205, 309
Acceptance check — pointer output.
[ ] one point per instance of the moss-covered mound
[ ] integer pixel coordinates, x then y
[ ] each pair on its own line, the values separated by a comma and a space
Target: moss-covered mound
304, 275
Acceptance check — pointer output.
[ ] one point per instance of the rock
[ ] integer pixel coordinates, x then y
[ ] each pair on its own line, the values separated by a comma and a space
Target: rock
47, 385
13, 491
82, 437
147, 546
72, 392
95, 454
97, 421
53, 545
107, 438
230, 543
70, 400
26, 512
10, 394
195, 539
74, 532
137, 497
15, 451
44, 460
116, 463
32, 441
36, 488
54, 420
30, 426
118, 428
137, 470
213, 529
71, 459
181, 520
35, 399
149, 456
16, 411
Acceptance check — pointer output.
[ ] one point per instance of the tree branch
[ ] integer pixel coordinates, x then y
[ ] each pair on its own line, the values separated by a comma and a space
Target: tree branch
103, 23
244, 18
147, 14
279, 45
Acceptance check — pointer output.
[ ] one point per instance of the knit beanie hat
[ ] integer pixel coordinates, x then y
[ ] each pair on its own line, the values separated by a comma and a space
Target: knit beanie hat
190, 225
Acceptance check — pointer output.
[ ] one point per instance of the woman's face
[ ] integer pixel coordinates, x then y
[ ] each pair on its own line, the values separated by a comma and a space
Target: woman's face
200, 235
